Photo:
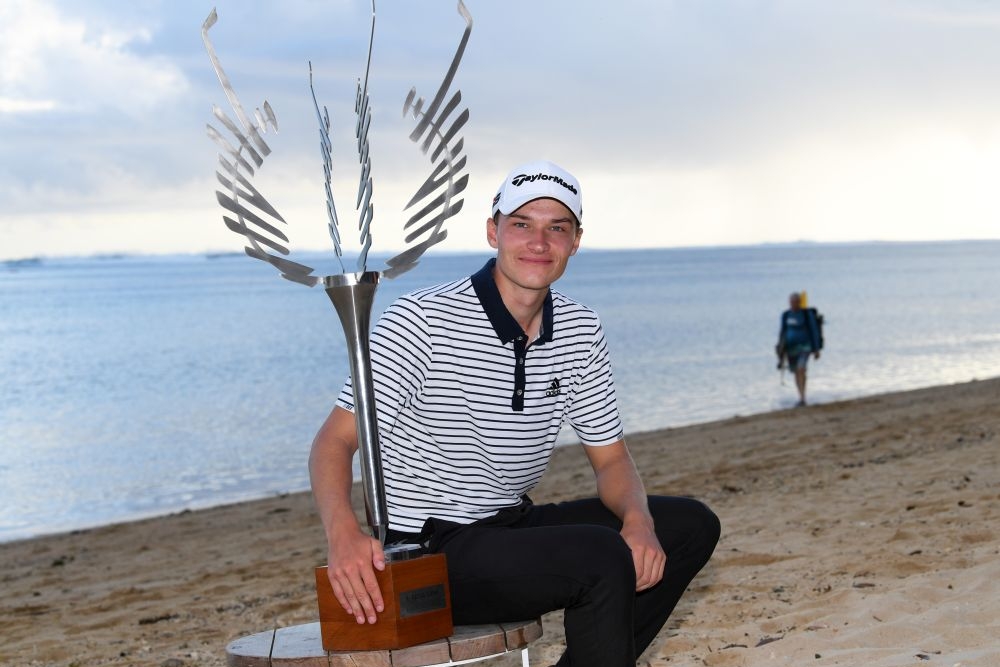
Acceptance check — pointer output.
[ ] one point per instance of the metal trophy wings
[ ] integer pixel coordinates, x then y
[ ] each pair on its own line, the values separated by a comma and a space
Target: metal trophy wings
243, 149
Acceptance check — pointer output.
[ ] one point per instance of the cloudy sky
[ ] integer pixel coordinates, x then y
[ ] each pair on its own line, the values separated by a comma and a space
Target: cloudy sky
688, 123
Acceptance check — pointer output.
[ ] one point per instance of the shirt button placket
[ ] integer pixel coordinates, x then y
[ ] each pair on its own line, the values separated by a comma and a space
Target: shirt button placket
520, 350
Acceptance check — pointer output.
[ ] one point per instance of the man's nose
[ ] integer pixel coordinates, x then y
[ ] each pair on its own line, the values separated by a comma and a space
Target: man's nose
538, 241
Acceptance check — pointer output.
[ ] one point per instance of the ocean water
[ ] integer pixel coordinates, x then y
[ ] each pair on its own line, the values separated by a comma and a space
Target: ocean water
140, 386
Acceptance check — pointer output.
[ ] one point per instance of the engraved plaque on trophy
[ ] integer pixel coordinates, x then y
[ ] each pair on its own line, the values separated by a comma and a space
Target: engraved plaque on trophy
414, 584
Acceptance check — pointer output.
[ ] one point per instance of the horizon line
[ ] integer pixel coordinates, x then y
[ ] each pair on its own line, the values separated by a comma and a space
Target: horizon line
213, 253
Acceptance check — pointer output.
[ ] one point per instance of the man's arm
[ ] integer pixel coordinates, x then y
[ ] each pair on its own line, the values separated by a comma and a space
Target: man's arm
353, 555
621, 491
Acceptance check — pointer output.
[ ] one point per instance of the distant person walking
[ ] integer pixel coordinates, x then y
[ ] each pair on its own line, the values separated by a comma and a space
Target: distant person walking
801, 335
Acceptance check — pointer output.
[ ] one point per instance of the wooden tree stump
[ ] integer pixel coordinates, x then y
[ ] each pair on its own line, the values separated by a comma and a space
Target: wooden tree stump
301, 646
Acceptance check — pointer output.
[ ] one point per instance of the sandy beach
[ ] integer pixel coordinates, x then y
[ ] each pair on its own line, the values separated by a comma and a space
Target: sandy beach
864, 532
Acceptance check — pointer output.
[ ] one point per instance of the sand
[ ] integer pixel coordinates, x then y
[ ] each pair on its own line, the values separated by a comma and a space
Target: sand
864, 532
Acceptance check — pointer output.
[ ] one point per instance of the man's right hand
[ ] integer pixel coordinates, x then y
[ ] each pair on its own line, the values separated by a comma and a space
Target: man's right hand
352, 560
353, 555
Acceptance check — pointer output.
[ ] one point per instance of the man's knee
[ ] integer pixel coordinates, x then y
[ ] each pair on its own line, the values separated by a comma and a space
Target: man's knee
687, 522
711, 527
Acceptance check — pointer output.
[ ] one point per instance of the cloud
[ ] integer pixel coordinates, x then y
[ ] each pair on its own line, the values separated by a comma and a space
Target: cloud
735, 122
51, 62
9, 105
87, 102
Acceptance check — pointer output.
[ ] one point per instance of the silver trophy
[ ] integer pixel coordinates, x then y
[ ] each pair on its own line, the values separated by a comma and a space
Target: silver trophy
243, 149
414, 585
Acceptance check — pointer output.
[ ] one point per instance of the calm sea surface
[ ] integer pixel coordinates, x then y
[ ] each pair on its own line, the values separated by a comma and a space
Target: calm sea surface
132, 387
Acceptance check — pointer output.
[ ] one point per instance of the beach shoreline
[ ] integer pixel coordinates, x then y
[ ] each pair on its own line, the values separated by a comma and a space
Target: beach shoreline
856, 532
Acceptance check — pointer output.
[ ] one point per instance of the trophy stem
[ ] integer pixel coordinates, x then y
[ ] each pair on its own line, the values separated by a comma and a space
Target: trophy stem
352, 295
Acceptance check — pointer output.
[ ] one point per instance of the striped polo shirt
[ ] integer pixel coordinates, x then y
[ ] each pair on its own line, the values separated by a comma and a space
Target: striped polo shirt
468, 412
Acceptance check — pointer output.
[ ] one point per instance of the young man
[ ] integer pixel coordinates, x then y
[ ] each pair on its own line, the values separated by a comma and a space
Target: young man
797, 339
473, 380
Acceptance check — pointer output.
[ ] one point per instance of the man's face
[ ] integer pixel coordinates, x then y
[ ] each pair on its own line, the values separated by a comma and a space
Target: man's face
533, 245
795, 301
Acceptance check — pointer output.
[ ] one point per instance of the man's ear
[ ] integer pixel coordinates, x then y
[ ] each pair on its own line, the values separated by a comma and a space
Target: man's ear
576, 244
491, 232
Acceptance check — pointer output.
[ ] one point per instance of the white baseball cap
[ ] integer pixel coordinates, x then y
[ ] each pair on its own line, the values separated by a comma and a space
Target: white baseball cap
539, 180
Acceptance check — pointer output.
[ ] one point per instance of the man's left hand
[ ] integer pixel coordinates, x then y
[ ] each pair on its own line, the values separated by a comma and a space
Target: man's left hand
647, 554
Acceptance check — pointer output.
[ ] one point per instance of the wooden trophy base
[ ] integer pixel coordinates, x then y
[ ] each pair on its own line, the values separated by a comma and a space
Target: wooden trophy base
417, 608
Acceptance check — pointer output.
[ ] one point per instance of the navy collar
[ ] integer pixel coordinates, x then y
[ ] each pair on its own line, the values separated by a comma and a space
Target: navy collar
504, 324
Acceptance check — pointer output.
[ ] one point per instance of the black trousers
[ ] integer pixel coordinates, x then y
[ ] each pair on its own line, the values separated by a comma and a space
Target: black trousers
533, 559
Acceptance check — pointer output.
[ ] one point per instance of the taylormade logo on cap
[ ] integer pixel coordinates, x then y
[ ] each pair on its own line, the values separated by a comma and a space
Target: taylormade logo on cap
538, 180
521, 178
